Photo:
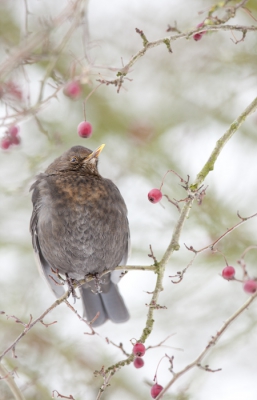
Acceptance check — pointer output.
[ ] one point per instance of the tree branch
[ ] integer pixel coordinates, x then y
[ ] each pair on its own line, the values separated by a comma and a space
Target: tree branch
174, 244
8, 378
210, 344
31, 324
209, 165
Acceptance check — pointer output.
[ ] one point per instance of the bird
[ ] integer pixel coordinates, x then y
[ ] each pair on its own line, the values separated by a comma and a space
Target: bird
79, 227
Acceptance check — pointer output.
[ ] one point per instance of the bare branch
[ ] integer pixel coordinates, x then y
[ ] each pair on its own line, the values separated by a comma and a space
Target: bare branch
8, 379
61, 395
93, 332
31, 324
211, 246
210, 344
119, 346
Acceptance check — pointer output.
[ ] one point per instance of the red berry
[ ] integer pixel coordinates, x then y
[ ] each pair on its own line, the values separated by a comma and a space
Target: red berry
5, 143
15, 140
154, 196
85, 129
228, 273
138, 362
13, 130
197, 36
250, 286
73, 90
156, 390
139, 349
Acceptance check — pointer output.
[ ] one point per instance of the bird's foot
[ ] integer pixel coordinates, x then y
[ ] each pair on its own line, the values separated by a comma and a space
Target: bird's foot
98, 281
60, 281
70, 282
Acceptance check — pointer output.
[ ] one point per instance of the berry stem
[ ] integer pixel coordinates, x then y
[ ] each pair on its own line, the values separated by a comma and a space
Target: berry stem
86, 99
166, 173
84, 110
223, 255
155, 375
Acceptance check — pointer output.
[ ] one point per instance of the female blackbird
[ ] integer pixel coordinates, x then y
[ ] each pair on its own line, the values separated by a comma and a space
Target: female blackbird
79, 226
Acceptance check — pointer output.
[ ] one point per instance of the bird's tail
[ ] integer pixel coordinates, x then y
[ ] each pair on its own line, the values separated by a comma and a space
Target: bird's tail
109, 304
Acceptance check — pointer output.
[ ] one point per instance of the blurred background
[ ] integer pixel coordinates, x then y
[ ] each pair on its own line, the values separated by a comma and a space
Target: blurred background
168, 115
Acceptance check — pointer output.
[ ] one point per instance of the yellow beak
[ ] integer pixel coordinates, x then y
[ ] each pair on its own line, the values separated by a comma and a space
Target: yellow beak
95, 153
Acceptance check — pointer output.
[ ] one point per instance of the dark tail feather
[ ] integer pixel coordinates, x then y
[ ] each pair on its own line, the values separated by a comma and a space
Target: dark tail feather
114, 305
92, 304
110, 305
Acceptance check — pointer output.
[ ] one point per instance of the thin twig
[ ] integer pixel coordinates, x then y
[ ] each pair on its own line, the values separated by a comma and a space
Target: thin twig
93, 332
174, 243
31, 324
119, 346
8, 378
172, 38
35, 40
210, 344
61, 395
211, 246
105, 385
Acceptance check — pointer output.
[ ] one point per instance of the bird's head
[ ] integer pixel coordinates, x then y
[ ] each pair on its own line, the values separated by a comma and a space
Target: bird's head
78, 159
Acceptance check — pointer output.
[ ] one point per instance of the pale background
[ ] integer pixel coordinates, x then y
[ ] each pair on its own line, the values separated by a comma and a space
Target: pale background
184, 101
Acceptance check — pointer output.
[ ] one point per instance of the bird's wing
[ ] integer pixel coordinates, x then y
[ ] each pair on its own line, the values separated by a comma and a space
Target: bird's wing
45, 269
116, 275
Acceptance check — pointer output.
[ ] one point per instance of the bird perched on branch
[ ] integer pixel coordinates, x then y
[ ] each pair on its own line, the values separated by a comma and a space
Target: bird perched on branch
79, 226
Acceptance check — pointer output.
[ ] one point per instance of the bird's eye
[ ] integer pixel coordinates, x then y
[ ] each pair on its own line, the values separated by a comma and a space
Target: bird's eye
74, 160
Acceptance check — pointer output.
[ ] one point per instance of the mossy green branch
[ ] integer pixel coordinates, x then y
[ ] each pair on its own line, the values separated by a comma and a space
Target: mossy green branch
120, 364
174, 243
184, 35
209, 165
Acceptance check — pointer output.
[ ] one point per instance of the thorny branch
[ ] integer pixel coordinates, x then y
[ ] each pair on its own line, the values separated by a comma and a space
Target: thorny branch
124, 71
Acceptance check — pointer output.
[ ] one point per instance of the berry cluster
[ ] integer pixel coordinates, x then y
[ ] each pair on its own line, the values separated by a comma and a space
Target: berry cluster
139, 352
250, 285
11, 138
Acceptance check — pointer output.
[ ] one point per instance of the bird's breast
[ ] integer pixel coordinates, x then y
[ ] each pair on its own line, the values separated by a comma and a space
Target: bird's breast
78, 190
82, 224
